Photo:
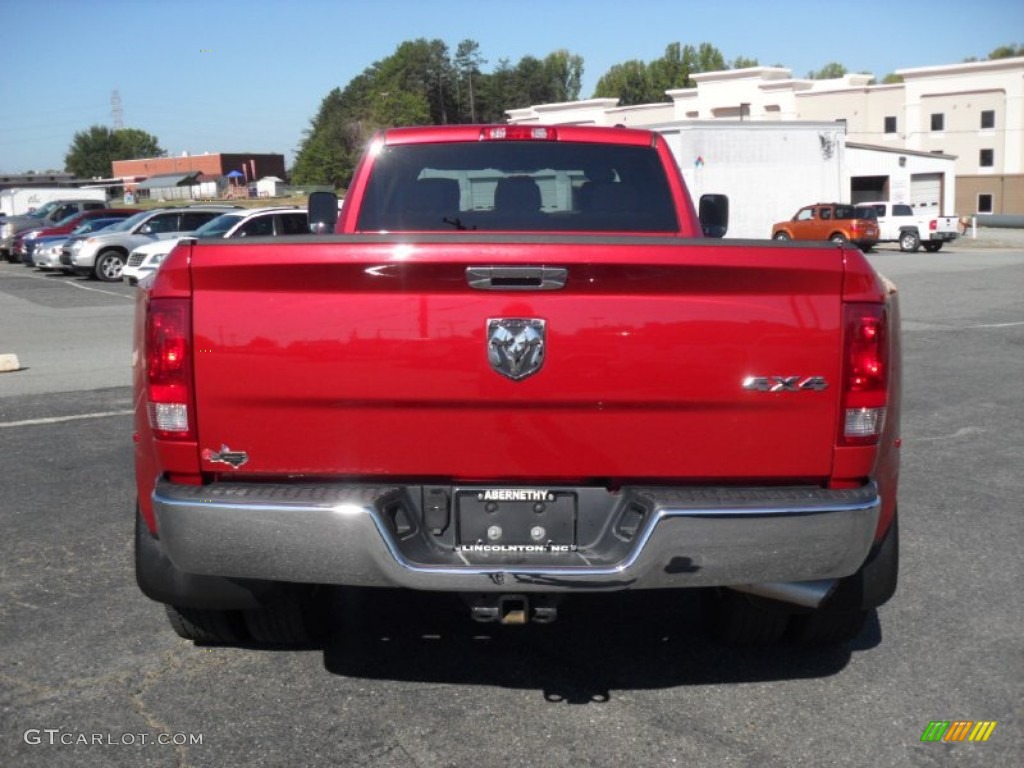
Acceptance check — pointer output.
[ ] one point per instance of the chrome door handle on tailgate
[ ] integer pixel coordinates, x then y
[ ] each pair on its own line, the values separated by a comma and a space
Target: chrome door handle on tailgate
511, 278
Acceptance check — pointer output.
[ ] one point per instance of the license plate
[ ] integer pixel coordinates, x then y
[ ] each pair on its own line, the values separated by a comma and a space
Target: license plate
516, 519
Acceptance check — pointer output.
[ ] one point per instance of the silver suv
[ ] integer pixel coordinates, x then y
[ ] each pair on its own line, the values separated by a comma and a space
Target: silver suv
104, 255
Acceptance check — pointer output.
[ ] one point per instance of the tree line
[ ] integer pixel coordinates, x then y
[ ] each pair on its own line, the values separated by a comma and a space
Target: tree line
421, 83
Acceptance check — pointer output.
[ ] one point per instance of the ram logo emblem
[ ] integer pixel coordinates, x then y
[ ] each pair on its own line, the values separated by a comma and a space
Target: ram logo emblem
515, 346
785, 383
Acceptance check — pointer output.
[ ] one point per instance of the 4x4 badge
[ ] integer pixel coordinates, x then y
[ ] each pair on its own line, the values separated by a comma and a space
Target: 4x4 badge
515, 345
785, 383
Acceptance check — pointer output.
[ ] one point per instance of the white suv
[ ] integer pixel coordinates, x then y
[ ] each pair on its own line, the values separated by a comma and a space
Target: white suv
253, 222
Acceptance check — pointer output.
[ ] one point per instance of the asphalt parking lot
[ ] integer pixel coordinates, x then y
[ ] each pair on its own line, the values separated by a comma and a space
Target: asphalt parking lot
91, 673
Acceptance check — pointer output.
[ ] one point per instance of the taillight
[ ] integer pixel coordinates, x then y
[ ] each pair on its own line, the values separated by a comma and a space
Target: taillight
933, 224
518, 133
865, 373
169, 369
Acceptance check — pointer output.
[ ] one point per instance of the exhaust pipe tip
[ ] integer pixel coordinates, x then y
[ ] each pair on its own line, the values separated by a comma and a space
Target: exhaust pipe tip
808, 594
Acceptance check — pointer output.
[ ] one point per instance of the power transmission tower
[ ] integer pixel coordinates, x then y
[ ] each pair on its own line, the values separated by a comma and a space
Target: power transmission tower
116, 111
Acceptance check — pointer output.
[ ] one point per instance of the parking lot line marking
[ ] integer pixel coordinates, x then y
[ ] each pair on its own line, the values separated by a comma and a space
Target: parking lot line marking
997, 325
130, 297
97, 290
62, 419
962, 432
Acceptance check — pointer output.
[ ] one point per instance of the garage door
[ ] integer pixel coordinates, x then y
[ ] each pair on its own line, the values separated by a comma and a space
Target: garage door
926, 189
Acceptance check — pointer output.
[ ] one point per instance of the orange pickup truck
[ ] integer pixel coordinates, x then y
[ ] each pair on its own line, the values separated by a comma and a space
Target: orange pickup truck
838, 222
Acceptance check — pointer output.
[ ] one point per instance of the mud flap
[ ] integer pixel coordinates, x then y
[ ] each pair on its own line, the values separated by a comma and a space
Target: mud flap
875, 582
160, 580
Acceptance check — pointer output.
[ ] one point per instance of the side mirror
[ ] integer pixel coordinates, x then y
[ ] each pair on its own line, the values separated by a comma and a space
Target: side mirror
714, 215
323, 212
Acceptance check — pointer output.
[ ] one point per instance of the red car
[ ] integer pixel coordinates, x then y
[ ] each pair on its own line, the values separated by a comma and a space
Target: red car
24, 242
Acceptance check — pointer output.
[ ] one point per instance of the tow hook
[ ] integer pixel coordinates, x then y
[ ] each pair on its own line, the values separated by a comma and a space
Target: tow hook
513, 610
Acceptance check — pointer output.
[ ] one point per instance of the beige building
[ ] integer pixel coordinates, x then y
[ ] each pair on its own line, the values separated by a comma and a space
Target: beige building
971, 115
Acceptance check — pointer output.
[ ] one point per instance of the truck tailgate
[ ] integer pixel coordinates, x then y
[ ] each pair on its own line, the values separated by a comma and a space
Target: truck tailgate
370, 355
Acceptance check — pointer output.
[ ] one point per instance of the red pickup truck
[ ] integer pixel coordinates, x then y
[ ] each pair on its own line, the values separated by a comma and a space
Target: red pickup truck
520, 367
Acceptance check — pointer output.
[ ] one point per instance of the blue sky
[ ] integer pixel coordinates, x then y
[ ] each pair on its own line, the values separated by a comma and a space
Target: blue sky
248, 75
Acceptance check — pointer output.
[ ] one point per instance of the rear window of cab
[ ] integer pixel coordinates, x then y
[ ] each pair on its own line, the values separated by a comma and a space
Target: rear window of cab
525, 186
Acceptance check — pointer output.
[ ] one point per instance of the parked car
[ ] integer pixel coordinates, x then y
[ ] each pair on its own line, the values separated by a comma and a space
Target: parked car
256, 222
25, 241
44, 216
838, 222
900, 223
46, 254
104, 254
74, 243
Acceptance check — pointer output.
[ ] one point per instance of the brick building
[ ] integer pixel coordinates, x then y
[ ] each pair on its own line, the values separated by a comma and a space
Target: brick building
252, 166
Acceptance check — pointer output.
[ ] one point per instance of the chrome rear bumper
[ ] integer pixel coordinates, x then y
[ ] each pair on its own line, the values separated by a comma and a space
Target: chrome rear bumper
347, 535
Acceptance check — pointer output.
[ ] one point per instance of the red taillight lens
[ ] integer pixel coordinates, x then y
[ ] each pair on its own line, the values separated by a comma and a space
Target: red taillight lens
933, 224
865, 374
169, 369
518, 133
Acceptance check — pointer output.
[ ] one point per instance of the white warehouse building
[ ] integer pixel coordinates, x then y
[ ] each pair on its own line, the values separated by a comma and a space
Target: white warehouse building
771, 169
774, 143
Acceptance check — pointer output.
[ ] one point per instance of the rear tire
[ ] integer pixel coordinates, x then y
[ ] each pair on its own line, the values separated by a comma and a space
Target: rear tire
839, 238
909, 242
206, 626
738, 619
823, 627
290, 619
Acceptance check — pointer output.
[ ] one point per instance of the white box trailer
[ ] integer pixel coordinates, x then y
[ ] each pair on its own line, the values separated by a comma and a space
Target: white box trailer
20, 200
769, 169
